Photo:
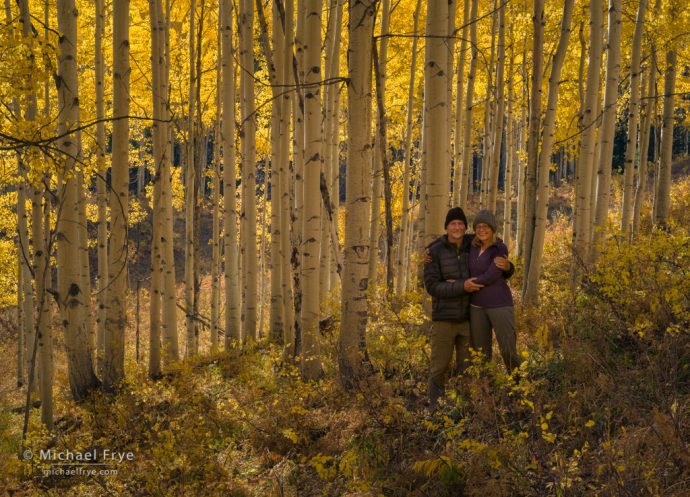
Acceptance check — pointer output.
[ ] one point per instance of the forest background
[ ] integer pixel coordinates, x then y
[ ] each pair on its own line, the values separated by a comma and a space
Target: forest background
213, 215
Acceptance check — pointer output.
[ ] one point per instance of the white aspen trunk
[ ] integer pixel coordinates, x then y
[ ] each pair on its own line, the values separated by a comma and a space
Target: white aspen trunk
169, 298
500, 110
215, 263
189, 197
435, 112
487, 147
467, 124
352, 357
648, 106
377, 191
248, 143
663, 194
101, 193
286, 199
633, 119
311, 305
450, 47
459, 94
73, 297
524, 124
608, 127
404, 241
585, 161
510, 153
233, 331
530, 289
116, 320
530, 186
332, 133
155, 291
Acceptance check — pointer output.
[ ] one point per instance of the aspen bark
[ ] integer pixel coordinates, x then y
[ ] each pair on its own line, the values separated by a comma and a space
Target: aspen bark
233, 332
608, 127
436, 120
647, 112
352, 357
467, 155
189, 200
248, 144
459, 94
101, 193
533, 270
511, 129
633, 119
662, 198
72, 295
311, 231
530, 185
500, 110
215, 262
584, 170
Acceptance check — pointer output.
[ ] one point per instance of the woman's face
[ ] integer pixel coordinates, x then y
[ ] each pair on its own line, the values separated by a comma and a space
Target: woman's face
483, 232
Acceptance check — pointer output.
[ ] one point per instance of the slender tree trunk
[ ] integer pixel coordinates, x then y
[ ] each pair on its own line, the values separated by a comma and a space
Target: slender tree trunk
467, 155
633, 119
116, 321
663, 194
435, 116
311, 308
459, 94
233, 331
352, 353
500, 110
101, 194
377, 191
510, 151
648, 106
404, 243
530, 289
608, 127
530, 186
215, 263
585, 155
72, 295
487, 148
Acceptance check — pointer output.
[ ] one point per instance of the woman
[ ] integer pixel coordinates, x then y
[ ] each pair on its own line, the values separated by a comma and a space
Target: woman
492, 306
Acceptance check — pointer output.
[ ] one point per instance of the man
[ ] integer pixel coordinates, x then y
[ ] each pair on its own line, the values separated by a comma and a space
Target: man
447, 280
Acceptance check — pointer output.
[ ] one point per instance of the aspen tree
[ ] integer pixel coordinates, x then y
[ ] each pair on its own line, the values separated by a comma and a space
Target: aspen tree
647, 111
248, 143
352, 357
467, 155
533, 270
500, 110
487, 136
72, 296
404, 241
459, 94
662, 198
189, 180
608, 127
584, 170
377, 164
116, 318
287, 199
101, 195
233, 332
633, 119
381, 167
436, 120
530, 183
332, 125
511, 129
167, 237
311, 362
215, 241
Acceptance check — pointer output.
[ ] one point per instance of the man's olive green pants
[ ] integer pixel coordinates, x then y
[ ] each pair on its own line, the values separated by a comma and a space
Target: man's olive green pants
446, 337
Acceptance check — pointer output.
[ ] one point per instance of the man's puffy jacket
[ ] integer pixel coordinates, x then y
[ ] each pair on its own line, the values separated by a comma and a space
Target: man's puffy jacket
449, 300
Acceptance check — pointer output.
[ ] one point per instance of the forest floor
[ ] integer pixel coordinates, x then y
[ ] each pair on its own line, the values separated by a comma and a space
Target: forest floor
601, 405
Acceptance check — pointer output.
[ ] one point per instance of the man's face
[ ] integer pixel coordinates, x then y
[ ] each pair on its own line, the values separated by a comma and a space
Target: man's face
455, 231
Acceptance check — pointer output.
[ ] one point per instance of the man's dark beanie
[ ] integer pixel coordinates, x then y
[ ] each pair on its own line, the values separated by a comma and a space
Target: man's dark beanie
455, 213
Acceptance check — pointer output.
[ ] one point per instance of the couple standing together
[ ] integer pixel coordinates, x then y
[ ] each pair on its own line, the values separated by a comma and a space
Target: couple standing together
466, 274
